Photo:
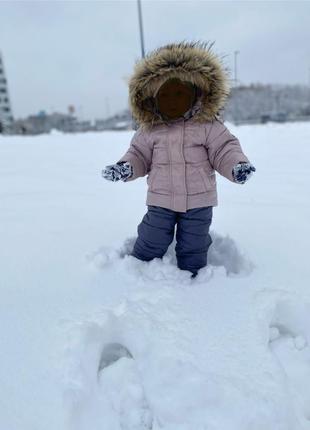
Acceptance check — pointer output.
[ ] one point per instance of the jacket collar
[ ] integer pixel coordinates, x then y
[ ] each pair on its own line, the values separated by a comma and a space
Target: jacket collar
196, 108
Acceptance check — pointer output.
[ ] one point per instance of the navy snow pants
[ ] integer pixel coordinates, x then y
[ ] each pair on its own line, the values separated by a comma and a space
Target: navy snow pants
156, 232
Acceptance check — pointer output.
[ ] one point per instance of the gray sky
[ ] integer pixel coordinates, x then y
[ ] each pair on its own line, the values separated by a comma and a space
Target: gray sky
58, 53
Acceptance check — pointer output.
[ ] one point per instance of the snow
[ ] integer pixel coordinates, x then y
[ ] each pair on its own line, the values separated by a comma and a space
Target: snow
92, 338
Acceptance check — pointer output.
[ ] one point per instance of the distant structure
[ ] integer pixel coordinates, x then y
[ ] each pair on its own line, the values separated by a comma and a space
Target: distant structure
247, 104
261, 103
119, 121
45, 123
6, 117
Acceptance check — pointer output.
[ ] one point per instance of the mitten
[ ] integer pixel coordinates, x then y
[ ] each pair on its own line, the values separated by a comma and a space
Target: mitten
119, 171
242, 172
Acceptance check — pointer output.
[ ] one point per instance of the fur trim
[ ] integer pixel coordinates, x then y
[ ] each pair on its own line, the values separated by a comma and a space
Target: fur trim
188, 61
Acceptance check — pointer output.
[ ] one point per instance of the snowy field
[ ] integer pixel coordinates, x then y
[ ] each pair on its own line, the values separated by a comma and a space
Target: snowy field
93, 339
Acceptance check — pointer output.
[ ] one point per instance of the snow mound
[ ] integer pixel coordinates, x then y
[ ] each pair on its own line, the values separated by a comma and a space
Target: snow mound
285, 320
290, 344
223, 253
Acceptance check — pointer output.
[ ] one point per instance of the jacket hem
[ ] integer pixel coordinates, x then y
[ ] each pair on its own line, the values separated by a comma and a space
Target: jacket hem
182, 205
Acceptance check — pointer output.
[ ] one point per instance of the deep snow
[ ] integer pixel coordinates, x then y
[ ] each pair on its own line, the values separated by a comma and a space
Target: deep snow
92, 338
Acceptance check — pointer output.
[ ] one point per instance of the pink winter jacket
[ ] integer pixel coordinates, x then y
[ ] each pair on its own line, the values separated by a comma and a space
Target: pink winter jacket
181, 156
180, 160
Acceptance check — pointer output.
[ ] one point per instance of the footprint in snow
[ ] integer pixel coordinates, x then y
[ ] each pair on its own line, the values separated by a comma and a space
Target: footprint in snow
119, 380
103, 389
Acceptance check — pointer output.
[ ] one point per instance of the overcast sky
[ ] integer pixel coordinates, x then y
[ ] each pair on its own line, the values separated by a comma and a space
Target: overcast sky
58, 53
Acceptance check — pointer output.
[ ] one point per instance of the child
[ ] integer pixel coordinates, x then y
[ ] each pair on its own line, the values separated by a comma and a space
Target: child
175, 94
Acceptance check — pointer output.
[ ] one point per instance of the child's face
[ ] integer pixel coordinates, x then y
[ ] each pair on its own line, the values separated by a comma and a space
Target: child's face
174, 98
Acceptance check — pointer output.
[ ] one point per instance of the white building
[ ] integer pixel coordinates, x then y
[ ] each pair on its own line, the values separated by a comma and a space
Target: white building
6, 117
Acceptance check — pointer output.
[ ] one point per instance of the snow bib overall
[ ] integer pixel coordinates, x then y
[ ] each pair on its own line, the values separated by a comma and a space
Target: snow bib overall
156, 233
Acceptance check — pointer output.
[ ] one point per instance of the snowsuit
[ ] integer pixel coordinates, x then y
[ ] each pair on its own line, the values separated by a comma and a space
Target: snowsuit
180, 156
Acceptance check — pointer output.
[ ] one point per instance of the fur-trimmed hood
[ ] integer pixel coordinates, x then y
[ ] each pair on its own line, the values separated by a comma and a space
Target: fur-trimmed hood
188, 61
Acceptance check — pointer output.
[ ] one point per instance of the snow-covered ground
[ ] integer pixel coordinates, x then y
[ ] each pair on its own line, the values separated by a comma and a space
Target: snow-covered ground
92, 338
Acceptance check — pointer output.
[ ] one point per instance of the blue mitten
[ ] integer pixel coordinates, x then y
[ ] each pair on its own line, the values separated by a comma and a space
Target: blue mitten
242, 172
118, 171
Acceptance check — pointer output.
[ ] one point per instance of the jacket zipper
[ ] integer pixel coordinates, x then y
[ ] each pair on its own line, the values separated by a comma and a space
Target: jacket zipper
182, 150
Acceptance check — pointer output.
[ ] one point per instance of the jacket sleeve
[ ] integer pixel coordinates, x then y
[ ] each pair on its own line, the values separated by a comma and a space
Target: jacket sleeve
139, 155
224, 149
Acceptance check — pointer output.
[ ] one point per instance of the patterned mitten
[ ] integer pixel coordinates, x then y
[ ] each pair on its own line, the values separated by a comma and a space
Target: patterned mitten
242, 172
118, 171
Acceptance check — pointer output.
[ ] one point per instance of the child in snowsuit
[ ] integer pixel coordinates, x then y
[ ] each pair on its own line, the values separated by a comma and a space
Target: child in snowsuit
175, 94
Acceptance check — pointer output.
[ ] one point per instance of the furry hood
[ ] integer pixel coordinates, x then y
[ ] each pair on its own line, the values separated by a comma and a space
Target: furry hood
188, 61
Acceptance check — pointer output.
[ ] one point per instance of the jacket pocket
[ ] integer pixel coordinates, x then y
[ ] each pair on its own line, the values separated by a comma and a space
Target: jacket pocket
159, 181
194, 182
151, 177
209, 179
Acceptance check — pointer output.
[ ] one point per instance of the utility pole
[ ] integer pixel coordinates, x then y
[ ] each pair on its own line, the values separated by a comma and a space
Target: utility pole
141, 28
134, 124
235, 67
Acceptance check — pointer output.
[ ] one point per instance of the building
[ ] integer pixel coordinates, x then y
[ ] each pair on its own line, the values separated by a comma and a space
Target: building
120, 121
6, 117
45, 123
261, 103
